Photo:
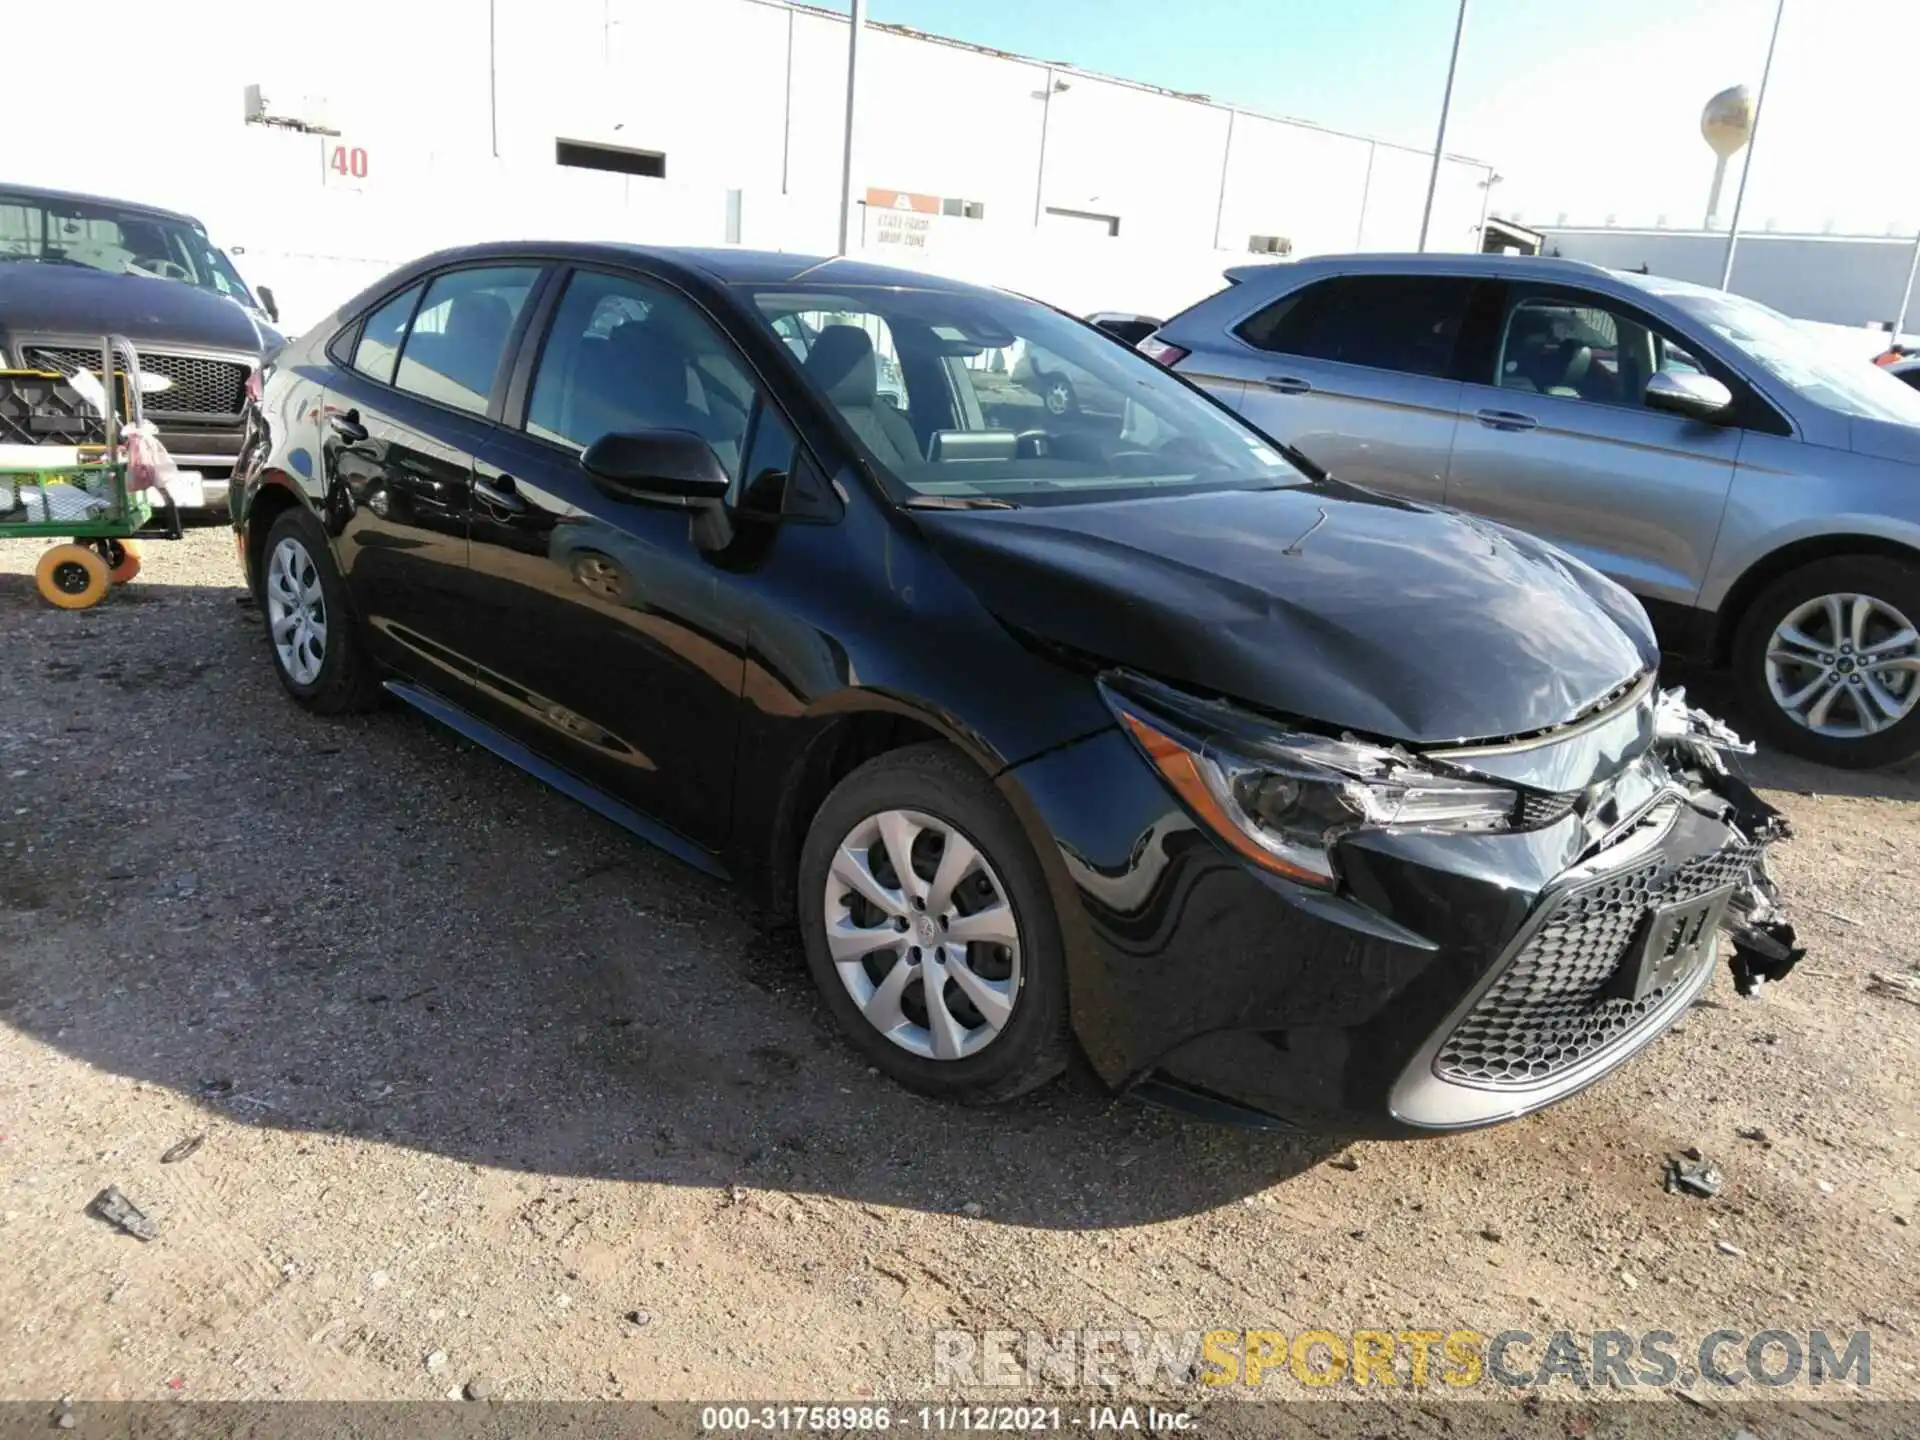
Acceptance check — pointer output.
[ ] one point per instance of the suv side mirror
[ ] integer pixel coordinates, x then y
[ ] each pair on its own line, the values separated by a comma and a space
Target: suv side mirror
269, 304
1698, 397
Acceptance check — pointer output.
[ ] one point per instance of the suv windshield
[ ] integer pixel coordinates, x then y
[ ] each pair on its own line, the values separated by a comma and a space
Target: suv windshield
103, 236
994, 398
1796, 358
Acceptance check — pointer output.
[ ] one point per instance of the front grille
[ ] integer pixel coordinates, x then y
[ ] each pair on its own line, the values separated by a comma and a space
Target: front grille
1553, 1007
1538, 811
201, 386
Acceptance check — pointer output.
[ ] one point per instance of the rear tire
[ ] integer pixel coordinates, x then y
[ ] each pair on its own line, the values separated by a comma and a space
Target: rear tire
1822, 665
311, 633
941, 1044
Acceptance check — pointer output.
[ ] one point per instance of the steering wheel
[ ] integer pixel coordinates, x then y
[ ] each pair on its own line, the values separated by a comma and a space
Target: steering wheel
159, 269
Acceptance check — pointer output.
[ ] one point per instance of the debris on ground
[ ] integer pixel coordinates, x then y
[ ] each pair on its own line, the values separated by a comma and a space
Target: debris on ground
1755, 1134
1344, 1162
1694, 1174
973, 1209
482, 1387
1897, 987
114, 1208
436, 1362
180, 1150
219, 1086
640, 1319
1493, 1233
1727, 1247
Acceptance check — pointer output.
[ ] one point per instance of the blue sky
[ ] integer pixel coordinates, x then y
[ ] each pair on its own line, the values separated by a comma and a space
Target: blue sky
1587, 108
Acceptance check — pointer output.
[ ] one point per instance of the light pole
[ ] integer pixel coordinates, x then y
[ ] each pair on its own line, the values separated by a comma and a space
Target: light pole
1753, 143
859, 23
1440, 140
1906, 295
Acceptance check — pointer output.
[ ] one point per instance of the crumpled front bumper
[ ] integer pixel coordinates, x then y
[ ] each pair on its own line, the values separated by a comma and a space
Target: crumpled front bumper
1455, 980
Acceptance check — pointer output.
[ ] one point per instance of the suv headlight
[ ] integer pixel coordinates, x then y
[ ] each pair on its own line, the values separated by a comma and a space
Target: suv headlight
1282, 798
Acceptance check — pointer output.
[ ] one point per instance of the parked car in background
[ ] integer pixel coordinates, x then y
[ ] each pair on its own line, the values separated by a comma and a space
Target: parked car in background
1758, 493
1124, 325
1907, 372
1293, 802
76, 267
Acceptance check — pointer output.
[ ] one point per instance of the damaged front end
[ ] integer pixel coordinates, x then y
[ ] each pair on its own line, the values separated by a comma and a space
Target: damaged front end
1692, 744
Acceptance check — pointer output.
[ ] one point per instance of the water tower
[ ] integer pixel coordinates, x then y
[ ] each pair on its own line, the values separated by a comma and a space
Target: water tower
1727, 125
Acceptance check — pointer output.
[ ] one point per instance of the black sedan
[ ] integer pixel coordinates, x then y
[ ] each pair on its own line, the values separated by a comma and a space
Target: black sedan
1288, 801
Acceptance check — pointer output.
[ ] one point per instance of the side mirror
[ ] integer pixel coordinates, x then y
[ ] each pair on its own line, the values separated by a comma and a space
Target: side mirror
658, 467
269, 304
1697, 397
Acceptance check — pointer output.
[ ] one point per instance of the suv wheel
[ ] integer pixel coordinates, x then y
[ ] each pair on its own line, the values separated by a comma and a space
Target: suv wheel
930, 932
1829, 660
310, 632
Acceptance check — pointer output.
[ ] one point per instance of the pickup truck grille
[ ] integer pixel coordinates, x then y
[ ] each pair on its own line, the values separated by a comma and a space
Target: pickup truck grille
201, 386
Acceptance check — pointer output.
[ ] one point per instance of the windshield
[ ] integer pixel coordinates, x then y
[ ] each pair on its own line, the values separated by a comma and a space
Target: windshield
990, 398
39, 229
1800, 360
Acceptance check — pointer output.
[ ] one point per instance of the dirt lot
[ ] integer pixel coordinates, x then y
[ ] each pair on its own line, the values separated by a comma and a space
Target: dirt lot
480, 1079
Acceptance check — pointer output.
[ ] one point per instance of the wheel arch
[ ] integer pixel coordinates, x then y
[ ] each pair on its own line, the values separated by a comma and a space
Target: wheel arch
851, 728
275, 493
1784, 560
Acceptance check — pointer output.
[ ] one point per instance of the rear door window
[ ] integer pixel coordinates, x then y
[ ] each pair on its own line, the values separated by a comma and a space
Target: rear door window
1405, 323
454, 345
380, 337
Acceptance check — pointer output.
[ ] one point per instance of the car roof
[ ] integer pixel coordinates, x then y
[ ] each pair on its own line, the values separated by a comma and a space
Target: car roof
75, 197
1506, 267
727, 265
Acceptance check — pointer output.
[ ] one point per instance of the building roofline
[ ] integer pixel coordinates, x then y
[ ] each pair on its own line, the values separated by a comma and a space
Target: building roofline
1066, 67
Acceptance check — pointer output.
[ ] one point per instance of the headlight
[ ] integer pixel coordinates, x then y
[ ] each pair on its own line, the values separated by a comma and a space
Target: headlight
1283, 798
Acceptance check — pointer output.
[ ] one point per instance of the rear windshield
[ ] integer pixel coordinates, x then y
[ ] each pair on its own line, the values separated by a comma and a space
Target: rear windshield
992, 397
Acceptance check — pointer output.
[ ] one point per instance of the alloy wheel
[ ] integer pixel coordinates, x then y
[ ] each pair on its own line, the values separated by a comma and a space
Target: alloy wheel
1059, 397
297, 611
922, 934
1845, 665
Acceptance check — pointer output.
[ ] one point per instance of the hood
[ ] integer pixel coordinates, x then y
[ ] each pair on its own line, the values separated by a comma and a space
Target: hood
1885, 439
72, 302
1322, 602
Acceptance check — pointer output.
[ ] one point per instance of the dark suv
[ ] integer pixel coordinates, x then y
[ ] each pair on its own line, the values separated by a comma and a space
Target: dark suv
1286, 799
76, 267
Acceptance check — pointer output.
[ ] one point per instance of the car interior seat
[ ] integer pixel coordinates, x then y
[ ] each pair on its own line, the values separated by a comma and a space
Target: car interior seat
842, 364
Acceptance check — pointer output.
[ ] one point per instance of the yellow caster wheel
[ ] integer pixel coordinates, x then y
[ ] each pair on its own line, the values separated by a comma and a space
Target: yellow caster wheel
72, 577
123, 559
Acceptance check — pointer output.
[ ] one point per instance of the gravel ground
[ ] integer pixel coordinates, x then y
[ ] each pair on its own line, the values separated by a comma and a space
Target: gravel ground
489, 1091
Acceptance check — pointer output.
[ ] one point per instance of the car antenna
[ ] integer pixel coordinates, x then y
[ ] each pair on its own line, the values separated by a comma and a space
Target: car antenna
1294, 548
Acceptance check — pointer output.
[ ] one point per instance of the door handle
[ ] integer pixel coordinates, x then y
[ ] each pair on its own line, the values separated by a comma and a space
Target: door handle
500, 494
346, 424
1288, 384
1505, 420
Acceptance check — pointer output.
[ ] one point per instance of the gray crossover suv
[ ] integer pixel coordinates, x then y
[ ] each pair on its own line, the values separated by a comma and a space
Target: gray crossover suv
1760, 495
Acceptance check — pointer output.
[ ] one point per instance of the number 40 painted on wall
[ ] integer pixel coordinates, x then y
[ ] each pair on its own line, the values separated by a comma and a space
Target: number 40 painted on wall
348, 161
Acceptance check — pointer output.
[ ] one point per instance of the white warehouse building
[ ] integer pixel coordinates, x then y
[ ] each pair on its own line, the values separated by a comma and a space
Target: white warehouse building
436, 122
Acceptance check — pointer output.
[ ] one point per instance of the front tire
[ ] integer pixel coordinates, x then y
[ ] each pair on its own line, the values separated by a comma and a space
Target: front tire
930, 932
1828, 661
316, 648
